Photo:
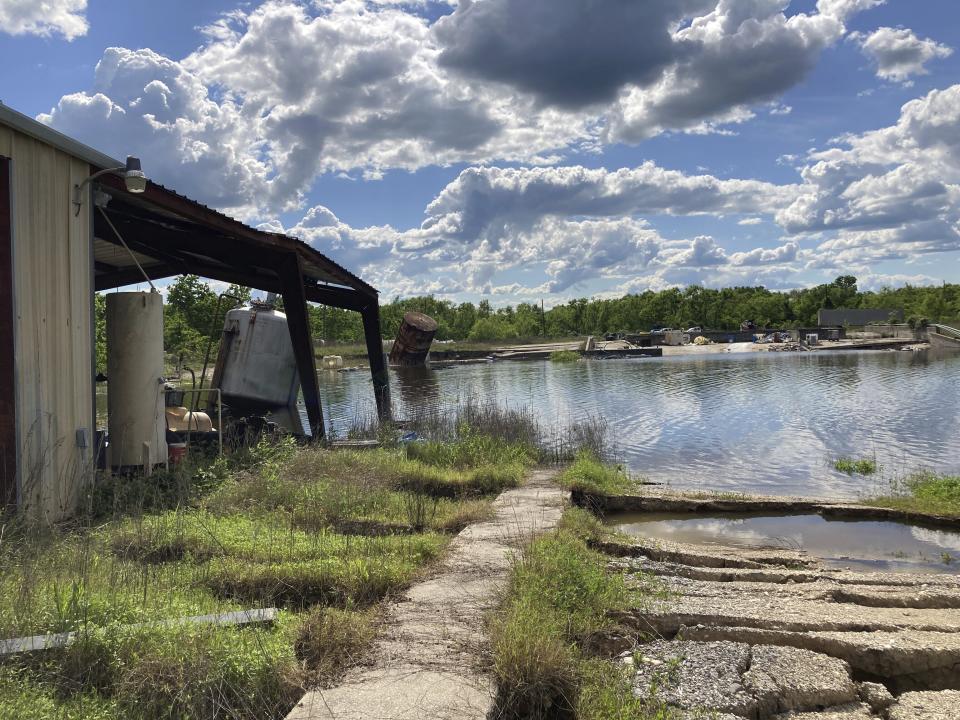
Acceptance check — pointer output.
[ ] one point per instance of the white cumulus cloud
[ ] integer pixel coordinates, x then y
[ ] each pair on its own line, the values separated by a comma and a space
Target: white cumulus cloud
44, 18
898, 53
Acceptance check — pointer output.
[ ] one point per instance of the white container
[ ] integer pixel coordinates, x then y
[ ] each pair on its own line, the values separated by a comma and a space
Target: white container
135, 401
257, 366
332, 362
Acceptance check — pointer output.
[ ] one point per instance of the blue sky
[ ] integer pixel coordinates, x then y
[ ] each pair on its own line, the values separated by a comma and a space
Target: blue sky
518, 149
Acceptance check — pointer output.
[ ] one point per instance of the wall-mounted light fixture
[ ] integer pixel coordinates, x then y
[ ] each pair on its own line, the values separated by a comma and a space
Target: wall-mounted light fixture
133, 178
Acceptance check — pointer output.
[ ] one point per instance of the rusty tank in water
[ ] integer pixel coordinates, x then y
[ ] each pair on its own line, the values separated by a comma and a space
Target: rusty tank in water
413, 340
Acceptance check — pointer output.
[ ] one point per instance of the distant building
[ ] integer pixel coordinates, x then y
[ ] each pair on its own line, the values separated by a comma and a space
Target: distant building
846, 316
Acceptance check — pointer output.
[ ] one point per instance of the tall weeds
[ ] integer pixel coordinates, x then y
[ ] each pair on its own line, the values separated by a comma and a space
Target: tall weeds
559, 596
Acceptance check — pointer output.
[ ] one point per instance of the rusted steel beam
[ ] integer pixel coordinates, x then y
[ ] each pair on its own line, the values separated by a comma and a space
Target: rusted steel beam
298, 322
378, 360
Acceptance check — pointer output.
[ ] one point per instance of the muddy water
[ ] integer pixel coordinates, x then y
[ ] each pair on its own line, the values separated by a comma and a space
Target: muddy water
857, 544
754, 422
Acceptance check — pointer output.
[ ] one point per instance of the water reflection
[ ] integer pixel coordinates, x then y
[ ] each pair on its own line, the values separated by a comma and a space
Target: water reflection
757, 422
865, 544
417, 386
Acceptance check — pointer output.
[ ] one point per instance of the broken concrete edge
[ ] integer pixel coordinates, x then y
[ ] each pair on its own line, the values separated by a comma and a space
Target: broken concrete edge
678, 502
52, 641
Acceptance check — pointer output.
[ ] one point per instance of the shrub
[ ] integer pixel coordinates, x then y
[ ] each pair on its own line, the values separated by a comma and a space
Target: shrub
564, 356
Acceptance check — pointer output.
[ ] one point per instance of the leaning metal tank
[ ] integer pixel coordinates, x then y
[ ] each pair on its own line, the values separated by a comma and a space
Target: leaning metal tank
256, 367
135, 370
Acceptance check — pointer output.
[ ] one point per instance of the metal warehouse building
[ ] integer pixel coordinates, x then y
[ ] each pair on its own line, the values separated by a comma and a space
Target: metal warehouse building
62, 236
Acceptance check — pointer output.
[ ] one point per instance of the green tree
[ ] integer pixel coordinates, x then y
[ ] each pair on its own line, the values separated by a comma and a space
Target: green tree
492, 327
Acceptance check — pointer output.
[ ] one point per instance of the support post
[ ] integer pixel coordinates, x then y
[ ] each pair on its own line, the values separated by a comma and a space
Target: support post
378, 362
8, 402
298, 322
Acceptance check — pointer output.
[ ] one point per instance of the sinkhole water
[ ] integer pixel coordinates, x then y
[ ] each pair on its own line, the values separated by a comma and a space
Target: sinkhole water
880, 546
751, 422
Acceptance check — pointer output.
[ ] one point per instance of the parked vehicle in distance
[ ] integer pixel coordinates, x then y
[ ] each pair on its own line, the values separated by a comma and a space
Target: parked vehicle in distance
695, 329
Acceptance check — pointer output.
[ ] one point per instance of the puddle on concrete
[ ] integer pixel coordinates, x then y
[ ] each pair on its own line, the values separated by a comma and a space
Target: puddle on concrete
877, 546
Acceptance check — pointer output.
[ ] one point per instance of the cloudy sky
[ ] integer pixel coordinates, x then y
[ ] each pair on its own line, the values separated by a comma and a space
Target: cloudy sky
519, 149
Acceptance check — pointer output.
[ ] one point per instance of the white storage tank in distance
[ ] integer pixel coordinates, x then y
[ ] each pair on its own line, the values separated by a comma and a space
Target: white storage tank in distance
256, 366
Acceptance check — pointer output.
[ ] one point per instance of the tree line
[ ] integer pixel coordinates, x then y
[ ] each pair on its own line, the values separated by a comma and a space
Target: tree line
192, 318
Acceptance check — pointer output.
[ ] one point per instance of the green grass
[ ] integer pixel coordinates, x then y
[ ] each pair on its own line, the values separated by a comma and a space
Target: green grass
858, 466
923, 492
471, 450
319, 489
331, 640
325, 535
185, 671
564, 356
23, 695
559, 595
591, 475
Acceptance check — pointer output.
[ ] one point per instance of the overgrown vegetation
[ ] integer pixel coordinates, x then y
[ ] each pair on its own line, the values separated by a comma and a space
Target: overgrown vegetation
923, 492
858, 466
559, 596
324, 535
589, 474
564, 356
517, 428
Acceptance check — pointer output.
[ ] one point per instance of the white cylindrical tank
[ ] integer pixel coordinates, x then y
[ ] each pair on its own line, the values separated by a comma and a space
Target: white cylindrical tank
257, 364
135, 401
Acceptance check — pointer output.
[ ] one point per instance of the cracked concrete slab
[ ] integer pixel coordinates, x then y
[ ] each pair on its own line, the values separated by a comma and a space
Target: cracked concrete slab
845, 712
423, 664
935, 584
908, 661
876, 696
926, 706
696, 676
785, 607
746, 681
809, 631
784, 679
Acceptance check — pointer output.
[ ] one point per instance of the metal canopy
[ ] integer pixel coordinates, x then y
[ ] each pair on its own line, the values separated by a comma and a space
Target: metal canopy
170, 234
173, 235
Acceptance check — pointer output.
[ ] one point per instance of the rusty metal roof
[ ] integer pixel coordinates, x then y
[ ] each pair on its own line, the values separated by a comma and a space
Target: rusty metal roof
159, 204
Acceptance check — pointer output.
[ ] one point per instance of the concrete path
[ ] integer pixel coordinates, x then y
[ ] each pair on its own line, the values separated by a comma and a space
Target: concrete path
425, 663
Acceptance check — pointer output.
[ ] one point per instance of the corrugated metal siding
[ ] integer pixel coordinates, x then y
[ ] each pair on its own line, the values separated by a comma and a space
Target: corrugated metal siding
53, 296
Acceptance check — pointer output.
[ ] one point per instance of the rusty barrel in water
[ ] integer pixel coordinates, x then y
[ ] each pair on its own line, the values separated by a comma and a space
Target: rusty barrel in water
413, 340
